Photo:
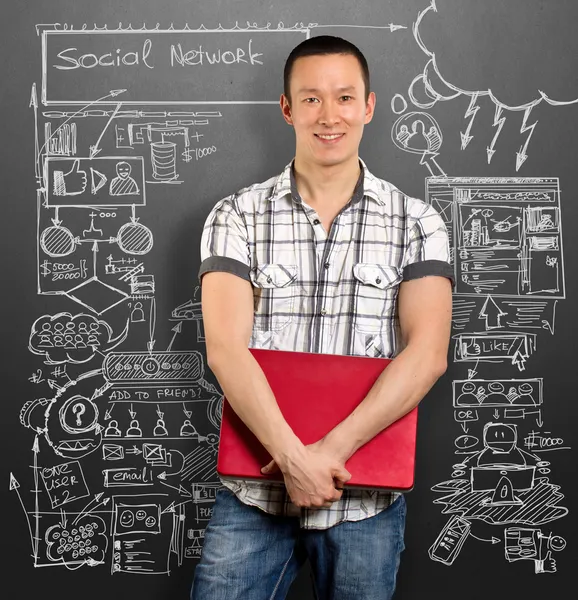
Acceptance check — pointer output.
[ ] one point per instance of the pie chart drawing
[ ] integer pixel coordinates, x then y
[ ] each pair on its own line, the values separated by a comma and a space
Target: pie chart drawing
134, 238
57, 241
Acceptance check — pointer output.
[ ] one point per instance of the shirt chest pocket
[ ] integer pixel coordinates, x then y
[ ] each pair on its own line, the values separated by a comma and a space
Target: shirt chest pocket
377, 288
274, 295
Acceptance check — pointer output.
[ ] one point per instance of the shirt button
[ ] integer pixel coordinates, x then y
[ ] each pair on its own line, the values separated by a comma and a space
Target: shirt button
326, 265
323, 312
316, 222
378, 280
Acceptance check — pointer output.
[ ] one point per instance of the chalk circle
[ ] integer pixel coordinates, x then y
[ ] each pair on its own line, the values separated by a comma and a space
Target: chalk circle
418, 133
150, 521
496, 387
526, 388
78, 415
57, 241
459, 466
212, 439
466, 441
423, 89
134, 238
557, 543
126, 518
398, 104
215, 411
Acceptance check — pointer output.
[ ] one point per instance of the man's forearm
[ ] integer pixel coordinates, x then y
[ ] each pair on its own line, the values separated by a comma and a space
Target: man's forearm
249, 394
399, 389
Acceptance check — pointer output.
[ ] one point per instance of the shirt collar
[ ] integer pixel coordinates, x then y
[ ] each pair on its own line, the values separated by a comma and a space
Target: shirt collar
367, 185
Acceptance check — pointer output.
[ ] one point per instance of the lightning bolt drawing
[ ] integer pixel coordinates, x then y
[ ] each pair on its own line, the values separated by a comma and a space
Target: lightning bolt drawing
471, 112
499, 123
521, 155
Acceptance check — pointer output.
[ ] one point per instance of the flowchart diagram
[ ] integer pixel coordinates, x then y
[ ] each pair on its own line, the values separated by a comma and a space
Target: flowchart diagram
123, 433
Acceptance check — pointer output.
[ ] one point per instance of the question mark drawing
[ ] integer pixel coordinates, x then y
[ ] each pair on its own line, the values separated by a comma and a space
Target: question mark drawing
78, 409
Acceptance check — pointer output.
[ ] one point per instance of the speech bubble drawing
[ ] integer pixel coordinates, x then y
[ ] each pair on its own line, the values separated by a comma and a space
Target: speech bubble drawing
66, 338
520, 56
82, 542
490, 49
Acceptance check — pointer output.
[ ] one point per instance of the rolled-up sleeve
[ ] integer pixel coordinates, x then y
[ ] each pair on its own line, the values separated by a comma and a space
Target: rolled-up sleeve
224, 241
427, 251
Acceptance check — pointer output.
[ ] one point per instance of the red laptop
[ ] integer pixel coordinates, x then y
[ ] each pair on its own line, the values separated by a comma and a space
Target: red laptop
315, 392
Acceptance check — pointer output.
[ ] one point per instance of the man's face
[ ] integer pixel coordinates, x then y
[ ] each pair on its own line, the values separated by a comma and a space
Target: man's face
328, 108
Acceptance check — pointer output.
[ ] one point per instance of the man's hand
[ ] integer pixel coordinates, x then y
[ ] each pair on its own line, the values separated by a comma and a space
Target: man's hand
314, 477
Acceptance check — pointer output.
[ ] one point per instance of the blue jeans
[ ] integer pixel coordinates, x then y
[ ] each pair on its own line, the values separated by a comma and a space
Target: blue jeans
249, 554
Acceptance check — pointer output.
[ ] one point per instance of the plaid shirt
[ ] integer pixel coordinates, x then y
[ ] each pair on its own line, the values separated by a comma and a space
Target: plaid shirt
314, 291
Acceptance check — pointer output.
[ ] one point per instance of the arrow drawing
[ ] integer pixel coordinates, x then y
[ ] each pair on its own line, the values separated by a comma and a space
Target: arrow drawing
473, 372
98, 392
171, 507
521, 155
519, 360
429, 157
94, 253
34, 104
36, 450
54, 386
493, 540
97, 180
539, 421
162, 477
94, 150
470, 112
14, 486
177, 329
152, 325
491, 312
86, 510
56, 221
112, 94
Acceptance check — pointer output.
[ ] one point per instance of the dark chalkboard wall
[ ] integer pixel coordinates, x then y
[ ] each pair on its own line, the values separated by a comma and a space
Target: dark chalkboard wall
123, 124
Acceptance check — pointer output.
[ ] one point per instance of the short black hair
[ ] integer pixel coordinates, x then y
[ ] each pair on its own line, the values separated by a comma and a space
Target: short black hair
322, 45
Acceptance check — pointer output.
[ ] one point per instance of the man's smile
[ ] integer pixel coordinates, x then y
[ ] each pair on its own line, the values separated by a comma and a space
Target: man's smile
329, 137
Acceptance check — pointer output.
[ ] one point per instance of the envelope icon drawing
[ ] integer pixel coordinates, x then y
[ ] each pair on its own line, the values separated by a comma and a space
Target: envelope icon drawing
444, 208
461, 526
112, 452
153, 452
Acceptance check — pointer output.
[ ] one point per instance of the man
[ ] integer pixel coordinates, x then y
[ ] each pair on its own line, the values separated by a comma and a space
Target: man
325, 258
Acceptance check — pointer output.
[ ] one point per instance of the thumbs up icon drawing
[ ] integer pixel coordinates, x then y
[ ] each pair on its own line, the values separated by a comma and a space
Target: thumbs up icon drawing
71, 183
